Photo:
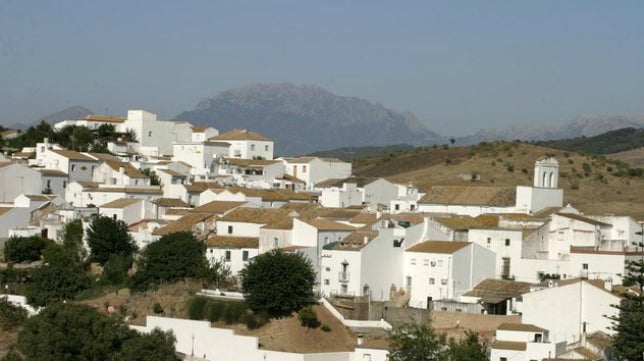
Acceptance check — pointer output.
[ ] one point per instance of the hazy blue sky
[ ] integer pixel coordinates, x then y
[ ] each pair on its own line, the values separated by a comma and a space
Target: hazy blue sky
459, 66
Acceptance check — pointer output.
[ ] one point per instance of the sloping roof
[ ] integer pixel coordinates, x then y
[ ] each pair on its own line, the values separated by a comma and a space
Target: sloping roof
128, 168
459, 222
199, 129
121, 203
232, 242
445, 247
104, 118
182, 224
240, 134
170, 202
356, 240
509, 345
470, 195
4, 210
364, 218
328, 225
494, 291
256, 215
172, 173
251, 163
105, 156
51, 172
581, 218
38, 197
520, 327
134, 190
73, 155
218, 207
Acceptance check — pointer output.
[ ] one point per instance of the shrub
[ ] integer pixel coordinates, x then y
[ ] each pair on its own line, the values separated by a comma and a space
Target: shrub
196, 308
158, 309
325, 328
214, 310
510, 168
587, 168
308, 317
25, 249
574, 186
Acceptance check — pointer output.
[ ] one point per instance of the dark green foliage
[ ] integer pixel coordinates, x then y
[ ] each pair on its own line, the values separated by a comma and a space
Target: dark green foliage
471, 348
196, 308
325, 328
11, 316
115, 270
33, 135
628, 343
278, 283
73, 233
308, 317
229, 312
25, 249
215, 310
173, 257
78, 332
60, 278
413, 342
154, 178
350, 153
607, 143
157, 309
12, 355
107, 237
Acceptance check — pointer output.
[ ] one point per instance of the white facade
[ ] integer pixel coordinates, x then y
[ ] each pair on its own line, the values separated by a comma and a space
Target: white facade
313, 170
199, 155
128, 210
564, 308
16, 179
523, 342
346, 196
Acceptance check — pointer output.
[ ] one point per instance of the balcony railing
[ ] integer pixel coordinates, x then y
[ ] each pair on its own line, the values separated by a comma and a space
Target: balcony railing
343, 276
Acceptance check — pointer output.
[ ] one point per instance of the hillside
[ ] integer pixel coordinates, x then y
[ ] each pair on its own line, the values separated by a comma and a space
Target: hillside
633, 157
594, 184
607, 143
305, 119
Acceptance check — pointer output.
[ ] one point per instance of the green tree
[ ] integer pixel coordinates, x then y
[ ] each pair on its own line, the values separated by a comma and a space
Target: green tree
417, 342
25, 249
107, 237
60, 278
11, 316
79, 332
173, 257
154, 177
628, 343
278, 283
471, 348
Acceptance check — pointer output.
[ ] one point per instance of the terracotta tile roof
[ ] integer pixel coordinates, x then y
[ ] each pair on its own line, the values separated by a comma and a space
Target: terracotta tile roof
328, 225
170, 202
232, 242
176, 211
240, 134
581, 218
128, 168
121, 203
196, 187
256, 215
302, 160
509, 345
74, 155
494, 291
38, 197
356, 240
292, 248
520, 327
336, 213
445, 247
87, 185
199, 129
104, 118
131, 190
183, 224
459, 222
51, 172
251, 163
301, 207
464, 195
290, 178
4, 210
5, 164
546, 212
411, 218
284, 223
23, 154
172, 173
105, 156
218, 207
364, 218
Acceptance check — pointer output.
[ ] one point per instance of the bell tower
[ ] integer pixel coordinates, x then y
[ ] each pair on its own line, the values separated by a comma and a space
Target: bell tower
546, 173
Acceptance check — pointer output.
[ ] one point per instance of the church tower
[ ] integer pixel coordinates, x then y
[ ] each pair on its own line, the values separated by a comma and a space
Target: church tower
546, 173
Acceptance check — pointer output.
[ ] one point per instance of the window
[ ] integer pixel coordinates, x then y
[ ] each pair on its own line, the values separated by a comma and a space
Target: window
328, 269
412, 207
326, 282
210, 250
507, 241
245, 256
48, 183
584, 266
149, 133
440, 263
503, 359
413, 261
489, 240
73, 167
227, 258
506, 267
425, 262
64, 184
230, 229
252, 147
303, 169
266, 148
432, 281
397, 207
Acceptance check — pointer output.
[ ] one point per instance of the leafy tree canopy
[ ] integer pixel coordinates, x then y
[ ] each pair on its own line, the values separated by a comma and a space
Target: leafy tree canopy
628, 343
11, 316
278, 283
60, 278
107, 237
78, 332
25, 249
173, 257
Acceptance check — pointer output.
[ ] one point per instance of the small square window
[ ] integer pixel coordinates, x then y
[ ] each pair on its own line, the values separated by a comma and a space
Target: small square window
244, 255
328, 269
584, 266
326, 282
227, 258
507, 241
432, 281
230, 229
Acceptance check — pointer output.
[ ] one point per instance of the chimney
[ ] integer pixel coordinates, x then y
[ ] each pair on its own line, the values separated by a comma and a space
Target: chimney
608, 284
360, 339
121, 171
366, 239
583, 334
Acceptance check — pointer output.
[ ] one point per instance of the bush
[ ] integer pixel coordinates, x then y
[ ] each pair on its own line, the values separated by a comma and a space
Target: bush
254, 321
308, 317
25, 249
214, 310
11, 316
574, 186
325, 328
196, 308
234, 312
510, 168
158, 309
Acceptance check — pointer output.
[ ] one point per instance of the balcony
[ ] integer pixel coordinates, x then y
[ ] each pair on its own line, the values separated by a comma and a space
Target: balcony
343, 276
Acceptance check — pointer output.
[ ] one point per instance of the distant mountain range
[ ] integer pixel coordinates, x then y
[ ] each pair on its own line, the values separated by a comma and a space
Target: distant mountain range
304, 119
307, 119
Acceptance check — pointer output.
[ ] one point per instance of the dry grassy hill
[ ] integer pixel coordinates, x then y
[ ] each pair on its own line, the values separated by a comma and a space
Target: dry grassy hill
593, 184
634, 157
